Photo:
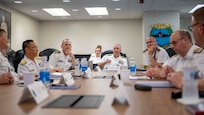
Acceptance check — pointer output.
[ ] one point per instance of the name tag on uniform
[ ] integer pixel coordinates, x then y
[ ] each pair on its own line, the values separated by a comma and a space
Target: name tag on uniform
35, 90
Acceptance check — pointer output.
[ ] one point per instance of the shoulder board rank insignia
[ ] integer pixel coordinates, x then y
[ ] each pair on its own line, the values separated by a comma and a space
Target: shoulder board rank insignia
23, 62
31, 70
198, 50
55, 52
157, 49
144, 50
38, 57
174, 56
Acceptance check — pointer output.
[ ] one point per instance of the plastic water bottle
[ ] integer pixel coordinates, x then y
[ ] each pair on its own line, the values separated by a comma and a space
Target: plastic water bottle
77, 67
132, 66
84, 64
190, 76
190, 82
44, 72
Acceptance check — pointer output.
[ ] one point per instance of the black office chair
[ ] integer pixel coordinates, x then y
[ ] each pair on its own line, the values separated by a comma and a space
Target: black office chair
47, 52
80, 56
111, 52
17, 59
170, 52
11, 55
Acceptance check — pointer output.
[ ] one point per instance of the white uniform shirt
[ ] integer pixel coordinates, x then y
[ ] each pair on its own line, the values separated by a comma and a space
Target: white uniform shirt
178, 62
94, 59
26, 65
160, 56
59, 60
114, 61
5, 63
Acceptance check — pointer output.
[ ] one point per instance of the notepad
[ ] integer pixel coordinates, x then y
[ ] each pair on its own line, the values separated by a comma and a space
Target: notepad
155, 83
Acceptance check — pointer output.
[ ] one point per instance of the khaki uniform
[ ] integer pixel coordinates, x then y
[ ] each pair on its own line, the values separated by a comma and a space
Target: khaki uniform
5, 63
177, 62
59, 60
120, 61
26, 65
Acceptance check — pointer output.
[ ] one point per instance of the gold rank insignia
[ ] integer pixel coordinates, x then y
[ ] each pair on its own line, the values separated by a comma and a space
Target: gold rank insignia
174, 56
31, 70
23, 62
55, 52
198, 50
38, 57
145, 50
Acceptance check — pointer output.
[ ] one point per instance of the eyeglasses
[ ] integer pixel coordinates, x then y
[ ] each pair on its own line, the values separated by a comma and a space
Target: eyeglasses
175, 42
191, 26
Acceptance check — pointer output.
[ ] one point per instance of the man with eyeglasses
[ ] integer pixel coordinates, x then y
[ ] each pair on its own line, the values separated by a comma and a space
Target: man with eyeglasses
181, 43
197, 28
65, 59
154, 55
7, 73
31, 61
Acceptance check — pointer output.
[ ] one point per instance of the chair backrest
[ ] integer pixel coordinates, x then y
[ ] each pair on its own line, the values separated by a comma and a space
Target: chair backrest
17, 59
170, 52
111, 52
11, 55
47, 52
80, 56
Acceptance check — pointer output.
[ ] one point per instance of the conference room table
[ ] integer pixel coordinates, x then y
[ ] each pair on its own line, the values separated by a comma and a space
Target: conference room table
158, 101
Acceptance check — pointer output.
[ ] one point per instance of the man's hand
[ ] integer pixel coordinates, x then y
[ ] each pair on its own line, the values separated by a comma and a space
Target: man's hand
176, 79
167, 69
6, 78
154, 72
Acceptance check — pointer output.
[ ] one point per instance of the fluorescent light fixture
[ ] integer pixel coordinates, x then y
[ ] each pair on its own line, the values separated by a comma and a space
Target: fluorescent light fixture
196, 7
18, 2
115, 0
75, 10
56, 11
97, 10
117, 9
66, 0
34, 11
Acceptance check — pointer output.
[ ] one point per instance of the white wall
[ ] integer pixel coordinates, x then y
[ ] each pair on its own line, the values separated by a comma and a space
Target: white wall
85, 35
22, 27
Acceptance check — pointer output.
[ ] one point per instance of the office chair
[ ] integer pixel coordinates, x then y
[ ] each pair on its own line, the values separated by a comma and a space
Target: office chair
80, 56
170, 52
11, 55
47, 52
111, 52
17, 59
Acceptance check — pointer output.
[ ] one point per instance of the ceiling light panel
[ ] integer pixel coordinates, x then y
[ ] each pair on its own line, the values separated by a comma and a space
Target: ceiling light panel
97, 10
56, 11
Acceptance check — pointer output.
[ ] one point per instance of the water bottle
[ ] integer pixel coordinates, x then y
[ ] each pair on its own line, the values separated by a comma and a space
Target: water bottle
77, 67
45, 72
84, 64
132, 66
190, 76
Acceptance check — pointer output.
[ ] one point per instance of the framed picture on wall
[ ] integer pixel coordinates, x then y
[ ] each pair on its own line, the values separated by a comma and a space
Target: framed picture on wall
5, 21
